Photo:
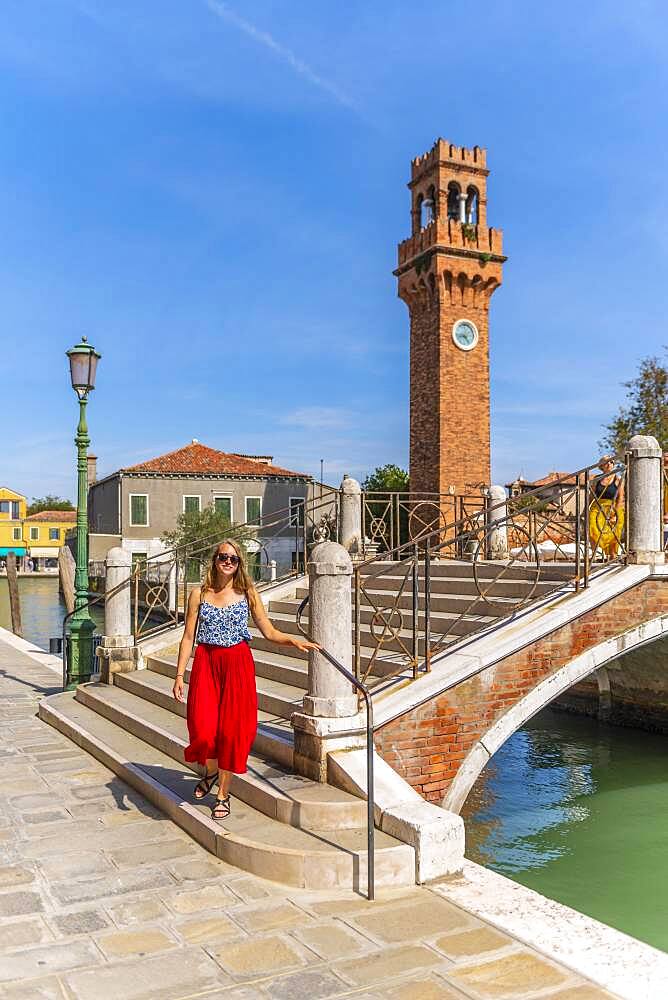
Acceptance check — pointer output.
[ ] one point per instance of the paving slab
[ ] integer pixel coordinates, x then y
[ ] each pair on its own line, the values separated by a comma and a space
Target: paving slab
512, 976
171, 976
422, 989
142, 941
17, 933
388, 964
260, 956
29, 963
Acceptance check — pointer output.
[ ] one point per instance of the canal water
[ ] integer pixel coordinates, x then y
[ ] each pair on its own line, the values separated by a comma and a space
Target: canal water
42, 608
578, 811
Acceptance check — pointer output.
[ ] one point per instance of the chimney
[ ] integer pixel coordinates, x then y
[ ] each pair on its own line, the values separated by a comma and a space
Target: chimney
92, 469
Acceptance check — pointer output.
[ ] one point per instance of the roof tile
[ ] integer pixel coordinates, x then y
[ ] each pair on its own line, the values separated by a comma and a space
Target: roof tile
53, 515
198, 459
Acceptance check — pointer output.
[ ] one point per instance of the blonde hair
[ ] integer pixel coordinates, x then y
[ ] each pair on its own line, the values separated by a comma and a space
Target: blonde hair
242, 583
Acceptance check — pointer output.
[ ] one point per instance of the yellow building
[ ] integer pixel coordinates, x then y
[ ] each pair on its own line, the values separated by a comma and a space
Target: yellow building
44, 535
12, 516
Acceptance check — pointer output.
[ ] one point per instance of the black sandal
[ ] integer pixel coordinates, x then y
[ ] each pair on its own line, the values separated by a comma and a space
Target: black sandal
221, 809
204, 786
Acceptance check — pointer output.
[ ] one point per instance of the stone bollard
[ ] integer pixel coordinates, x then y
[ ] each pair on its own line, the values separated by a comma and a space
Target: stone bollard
644, 506
118, 653
350, 527
330, 719
497, 528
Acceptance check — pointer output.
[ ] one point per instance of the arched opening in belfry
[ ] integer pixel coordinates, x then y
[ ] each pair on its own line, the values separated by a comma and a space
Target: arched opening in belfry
454, 191
418, 211
427, 208
472, 206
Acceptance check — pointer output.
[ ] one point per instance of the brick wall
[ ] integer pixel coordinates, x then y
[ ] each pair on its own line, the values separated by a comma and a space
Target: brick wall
427, 745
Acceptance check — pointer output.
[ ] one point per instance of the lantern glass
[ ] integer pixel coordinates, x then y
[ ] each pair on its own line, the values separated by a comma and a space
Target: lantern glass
83, 367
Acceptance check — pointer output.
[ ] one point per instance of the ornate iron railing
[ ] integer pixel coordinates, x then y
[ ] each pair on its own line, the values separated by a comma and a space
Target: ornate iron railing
501, 552
392, 519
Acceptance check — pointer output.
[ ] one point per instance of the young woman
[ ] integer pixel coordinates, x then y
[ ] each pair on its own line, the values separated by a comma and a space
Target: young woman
606, 510
222, 701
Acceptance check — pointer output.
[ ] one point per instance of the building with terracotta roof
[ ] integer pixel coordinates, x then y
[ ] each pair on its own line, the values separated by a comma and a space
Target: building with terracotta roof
136, 505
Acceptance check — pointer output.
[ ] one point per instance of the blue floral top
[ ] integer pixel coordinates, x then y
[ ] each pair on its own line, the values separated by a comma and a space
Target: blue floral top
223, 626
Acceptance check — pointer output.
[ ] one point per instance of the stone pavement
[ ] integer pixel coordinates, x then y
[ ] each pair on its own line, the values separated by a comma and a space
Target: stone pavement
102, 897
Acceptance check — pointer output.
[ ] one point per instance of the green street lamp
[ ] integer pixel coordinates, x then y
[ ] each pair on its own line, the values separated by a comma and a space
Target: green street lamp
83, 364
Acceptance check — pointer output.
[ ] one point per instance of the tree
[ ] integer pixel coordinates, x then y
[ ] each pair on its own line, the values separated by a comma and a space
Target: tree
197, 531
386, 478
49, 502
646, 411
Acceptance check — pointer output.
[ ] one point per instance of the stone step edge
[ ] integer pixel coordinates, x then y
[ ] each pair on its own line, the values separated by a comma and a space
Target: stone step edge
249, 855
256, 792
269, 702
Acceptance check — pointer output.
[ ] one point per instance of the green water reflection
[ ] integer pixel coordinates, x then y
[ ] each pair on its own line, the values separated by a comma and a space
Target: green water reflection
42, 609
578, 811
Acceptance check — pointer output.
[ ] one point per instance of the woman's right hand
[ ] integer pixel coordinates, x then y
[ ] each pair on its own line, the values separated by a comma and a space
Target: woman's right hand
177, 690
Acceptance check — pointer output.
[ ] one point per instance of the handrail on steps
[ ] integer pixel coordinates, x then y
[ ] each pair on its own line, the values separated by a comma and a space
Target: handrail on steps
366, 694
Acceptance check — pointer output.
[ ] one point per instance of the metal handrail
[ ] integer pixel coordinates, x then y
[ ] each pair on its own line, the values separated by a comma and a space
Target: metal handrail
289, 515
366, 694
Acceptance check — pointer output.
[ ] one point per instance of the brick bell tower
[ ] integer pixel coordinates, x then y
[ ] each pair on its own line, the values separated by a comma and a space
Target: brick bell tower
448, 269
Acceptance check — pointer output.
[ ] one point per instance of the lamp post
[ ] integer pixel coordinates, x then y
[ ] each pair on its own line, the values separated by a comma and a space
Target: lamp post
83, 364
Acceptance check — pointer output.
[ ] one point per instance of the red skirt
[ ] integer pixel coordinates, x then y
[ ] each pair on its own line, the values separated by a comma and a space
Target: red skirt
222, 706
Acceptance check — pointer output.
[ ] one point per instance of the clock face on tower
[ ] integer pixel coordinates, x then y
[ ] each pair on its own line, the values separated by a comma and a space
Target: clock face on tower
465, 334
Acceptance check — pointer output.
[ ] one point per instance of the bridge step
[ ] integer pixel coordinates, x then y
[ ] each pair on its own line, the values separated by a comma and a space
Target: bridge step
488, 569
249, 839
274, 735
309, 805
462, 586
472, 603
442, 624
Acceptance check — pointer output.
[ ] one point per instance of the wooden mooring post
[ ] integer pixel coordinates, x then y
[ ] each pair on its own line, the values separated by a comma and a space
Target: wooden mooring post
14, 600
66, 568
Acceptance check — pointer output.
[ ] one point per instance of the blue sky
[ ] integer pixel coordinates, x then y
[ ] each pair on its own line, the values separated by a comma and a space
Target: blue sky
213, 193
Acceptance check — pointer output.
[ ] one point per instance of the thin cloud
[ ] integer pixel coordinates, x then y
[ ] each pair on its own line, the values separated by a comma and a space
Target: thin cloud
317, 416
283, 53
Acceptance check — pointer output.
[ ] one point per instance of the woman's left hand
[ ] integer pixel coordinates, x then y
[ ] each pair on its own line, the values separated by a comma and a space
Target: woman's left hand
304, 644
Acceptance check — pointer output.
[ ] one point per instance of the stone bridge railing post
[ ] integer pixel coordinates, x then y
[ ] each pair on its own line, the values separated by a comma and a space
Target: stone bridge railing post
330, 719
118, 652
644, 501
350, 528
496, 527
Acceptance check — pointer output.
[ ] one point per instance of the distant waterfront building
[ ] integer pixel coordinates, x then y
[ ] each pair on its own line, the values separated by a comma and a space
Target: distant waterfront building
35, 539
136, 505
556, 488
12, 513
44, 535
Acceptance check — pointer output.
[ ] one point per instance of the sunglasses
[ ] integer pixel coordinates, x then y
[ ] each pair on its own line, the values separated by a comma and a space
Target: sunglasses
225, 558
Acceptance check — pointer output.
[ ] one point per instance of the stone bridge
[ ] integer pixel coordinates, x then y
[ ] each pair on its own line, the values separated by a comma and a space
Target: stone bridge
439, 732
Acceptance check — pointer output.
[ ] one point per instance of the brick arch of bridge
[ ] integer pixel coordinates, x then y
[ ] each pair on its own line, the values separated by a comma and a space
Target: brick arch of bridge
441, 746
